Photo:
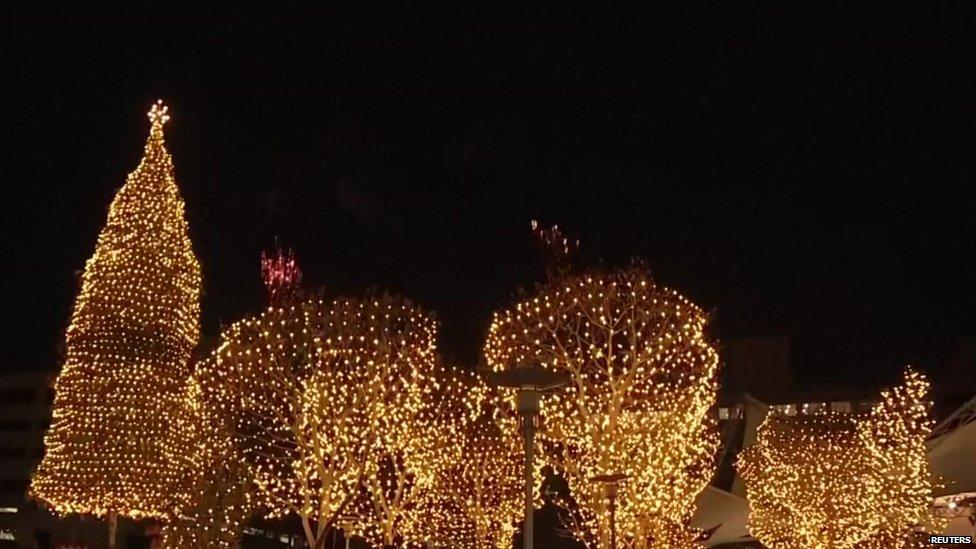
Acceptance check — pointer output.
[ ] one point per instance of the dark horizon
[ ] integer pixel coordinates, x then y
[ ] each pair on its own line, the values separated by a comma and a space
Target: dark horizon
798, 172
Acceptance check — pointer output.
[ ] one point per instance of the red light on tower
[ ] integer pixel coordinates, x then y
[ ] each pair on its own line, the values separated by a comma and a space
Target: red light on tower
281, 274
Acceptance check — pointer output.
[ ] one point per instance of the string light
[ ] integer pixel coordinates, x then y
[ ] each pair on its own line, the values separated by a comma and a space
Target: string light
325, 396
393, 507
319, 409
642, 379
837, 481
476, 497
111, 449
220, 482
220, 479
895, 434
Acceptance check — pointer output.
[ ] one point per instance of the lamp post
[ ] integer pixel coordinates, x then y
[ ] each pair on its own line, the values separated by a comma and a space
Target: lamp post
610, 484
346, 523
531, 382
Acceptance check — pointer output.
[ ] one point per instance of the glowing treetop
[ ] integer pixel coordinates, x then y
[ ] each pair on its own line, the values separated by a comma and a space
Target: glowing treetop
642, 380
281, 275
111, 448
556, 247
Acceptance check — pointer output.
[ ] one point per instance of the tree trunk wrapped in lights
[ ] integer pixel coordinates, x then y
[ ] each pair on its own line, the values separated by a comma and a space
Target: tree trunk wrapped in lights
841, 481
219, 483
642, 379
314, 389
111, 449
476, 498
419, 431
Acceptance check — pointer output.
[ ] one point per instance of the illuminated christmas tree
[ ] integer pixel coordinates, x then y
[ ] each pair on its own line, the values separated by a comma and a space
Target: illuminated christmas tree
111, 450
642, 378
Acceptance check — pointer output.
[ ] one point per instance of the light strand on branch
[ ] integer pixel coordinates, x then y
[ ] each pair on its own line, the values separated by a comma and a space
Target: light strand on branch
642, 379
476, 496
319, 393
841, 481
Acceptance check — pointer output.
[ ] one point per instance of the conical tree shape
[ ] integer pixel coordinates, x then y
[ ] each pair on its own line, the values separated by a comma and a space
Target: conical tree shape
111, 448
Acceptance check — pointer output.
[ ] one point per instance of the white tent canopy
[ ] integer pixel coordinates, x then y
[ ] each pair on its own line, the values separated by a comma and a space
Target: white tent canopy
727, 512
953, 454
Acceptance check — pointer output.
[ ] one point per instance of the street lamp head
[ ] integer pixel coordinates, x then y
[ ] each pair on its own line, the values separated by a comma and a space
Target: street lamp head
610, 479
610, 483
347, 521
529, 377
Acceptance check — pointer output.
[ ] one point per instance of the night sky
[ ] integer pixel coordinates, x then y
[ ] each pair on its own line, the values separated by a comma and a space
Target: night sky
799, 172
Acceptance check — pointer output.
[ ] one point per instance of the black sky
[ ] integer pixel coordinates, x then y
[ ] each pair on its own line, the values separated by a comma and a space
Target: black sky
800, 171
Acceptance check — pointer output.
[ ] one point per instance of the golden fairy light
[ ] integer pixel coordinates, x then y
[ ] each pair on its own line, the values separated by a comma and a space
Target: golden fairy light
111, 449
219, 482
807, 483
394, 507
895, 434
839, 481
324, 397
475, 499
642, 379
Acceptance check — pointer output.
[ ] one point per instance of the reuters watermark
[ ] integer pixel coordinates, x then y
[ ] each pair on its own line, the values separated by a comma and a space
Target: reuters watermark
951, 540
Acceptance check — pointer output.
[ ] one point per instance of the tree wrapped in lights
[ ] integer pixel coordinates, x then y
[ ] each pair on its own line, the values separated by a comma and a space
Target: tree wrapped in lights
809, 483
396, 506
840, 481
901, 425
111, 449
642, 379
895, 434
219, 482
316, 390
476, 497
